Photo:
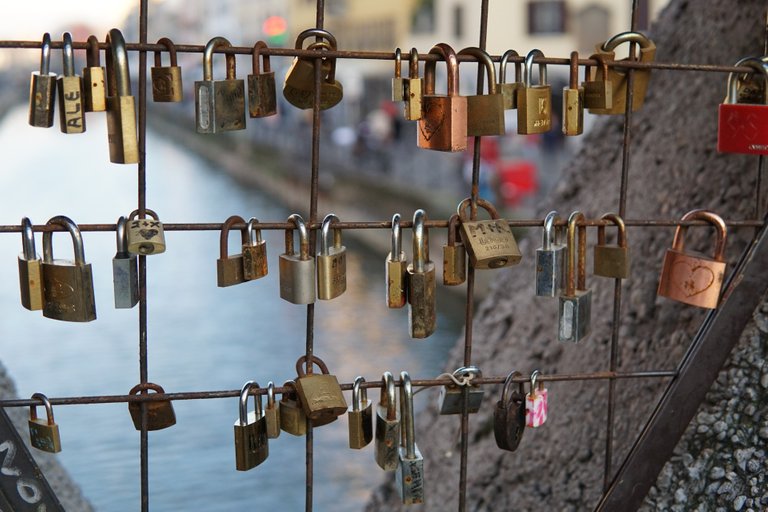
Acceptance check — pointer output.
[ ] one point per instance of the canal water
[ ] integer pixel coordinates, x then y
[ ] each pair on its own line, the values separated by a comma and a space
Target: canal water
201, 337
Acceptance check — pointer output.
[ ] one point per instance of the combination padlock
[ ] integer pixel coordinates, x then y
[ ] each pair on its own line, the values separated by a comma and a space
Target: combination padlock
297, 271
42, 89
145, 236
30, 269
166, 80
262, 98
575, 304
489, 243
485, 112
121, 105
44, 433
331, 262
219, 104
251, 443
70, 86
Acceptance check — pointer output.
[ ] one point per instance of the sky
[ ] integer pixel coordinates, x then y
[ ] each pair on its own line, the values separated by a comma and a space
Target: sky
28, 20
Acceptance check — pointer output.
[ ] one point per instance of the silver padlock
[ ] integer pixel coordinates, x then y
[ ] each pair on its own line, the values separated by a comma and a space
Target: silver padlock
297, 271
30, 271
125, 274
410, 471
145, 236
550, 259
452, 396
219, 104
576, 301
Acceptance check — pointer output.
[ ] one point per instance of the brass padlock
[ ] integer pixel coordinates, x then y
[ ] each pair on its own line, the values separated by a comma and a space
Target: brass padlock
299, 84
145, 236
550, 259
125, 273
297, 271
611, 260
573, 101
30, 269
262, 98
254, 253
272, 412
70, 86
509, 415
67, 285
598, 94
574, 314
443, 123
387, 442
320, 394
397, 81
618, 77
396, 268
251, 442
693, 278
451, 398
509, 91
485, 112
292, 417
166, 80
42, 89
454, 256
94, 87
160, 413
44, 433
219, 104
409, 476
534, 102
121, 106
489, 243
229, 269
360, 417
413, 89
331, 262
422, 306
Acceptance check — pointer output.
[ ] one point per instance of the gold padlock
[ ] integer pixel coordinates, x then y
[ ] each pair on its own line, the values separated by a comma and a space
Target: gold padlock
160, 413
454, 256
229, 268
331, 262
413, 89
573, 101
397, 81
489, 243
94, 88
70, 86
598, 94
254, 253
396, 268
485, 112
44, 433
262, 99
618, 77
292, 417
299, 85
534, 102
30, 269
121, 105
166, 80
42, 89
611, 260
509, 91
320, 394
145, 236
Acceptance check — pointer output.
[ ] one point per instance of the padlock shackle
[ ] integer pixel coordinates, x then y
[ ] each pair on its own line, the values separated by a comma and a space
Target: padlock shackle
359, 395
396, 242
171, 51
420, 241
398, 63
244, 392
213, 44
678, 244
144, 388
507, 384
485, 60
297, 221
573, 281
121, 235
453, 228
74, 232
406, 413
573, 77
626, 37
413, 64
503, 66
118, 72
147, 211
534, 375
92, 59
67, 55
254, 234
325, 247
260, 45
468, 370
449, 55
332, 62
482, 203
45, 54
224, 236
619, 222
270, 395
548, 237
288, 394
48, 408
733, 81
387, 397
317, 32
301, 363
603, 60
28, 239
528, 79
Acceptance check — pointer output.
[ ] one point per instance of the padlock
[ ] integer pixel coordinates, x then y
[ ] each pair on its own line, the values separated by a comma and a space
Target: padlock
550, 260
693, 278
30, 271
485, 112
160, 413
422, 307
299, 85
67, 285
94, 87
574, 314
251, 443
70, 86
42, 89
360, 417
598, 94
121, 106
454, 256
320, 394
297, 271
489, 243
125, 273
509, 415
272, 413
397, 81
166, 80
331, 262
229, 269
451, 398
262, 98
443, 123
573, 101
611, 260
409, 476
750, 85
292, 417
145, 236
396, 268
219, 104
509, 91
536, 403
387, 444
254, 253
743, 128
534, 102
618, 77
413, 89
44, 433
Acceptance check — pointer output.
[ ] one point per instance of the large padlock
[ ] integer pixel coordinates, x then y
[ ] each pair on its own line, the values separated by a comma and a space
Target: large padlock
121, 105
254, 253
443, 123
693, 278
485, 112
574, 313
297, 271
160, 413
536, 405
219, 104
229, 269
454, 255
397, 81
94, 87
166, 80
509, 90
489, 243
396, 267
145, 236
125, 273
409, 476
509, 415
743, 128
360, 416
573, 101
550, 259
42, 89
618, 77
272, 412
598, 93
386, 446
611, 260
292, 417
319, 393
422, 305
44, 433
299, 85
262, 98
331, 262
534, 102
30, 269
67, 285
451, 398
413, 89
70, 86
251, 442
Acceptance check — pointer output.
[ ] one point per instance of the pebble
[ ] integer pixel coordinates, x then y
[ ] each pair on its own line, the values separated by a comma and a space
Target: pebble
721, 426
753, 466
738, 503
681, 496
716, 473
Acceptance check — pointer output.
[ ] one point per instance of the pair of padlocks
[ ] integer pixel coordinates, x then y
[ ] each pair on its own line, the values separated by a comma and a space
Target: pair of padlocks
251, 263
742, 123
517, 409
299, 86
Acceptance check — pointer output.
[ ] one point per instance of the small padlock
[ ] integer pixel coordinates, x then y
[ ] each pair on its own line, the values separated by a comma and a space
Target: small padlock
320, 394
229, 269
166, 80
272, 412
299, 85
536, 403
693, 278
145, 236
451, 398
454, 256
618, 77
125, 273
251, 443
297, 271
387, 444
397, 81
121, 105
30, 269
611, 260
413, 89
743, 128
396, 268
292, 417
550, 260
94, 88
219, 104
422, 307
534, 102
254, 253
509, 415
44, 433
67, 285
331, 262
573, 101
262, 98
360, 417
598, 94
70, 86
410, 470
42, 89
490, 243
509, 91
576, 301
485, 112
160, 413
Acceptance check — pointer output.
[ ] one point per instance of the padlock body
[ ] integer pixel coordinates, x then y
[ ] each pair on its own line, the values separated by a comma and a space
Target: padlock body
422, 306
125, 278
251, 444
292, 417
219, 105
485, 115
509, 94
332, 273
387, 439
742, 128
360, 425
121, 130
454, 264
536, 408
262, 98
71, 108
272, 415
31, 283
320, 396
691, 278
550, 271
409, 477
229, 271
299, 84
94, 90
398, 86
160, 414
413, 94
255, 261
443, 123
146, 236
573, 111
397, 282
451, 398
611, 261
297, 279
68, 291
509, 422
44, 436
534, 109
42, 99
490, 243
166, 84
598, 94
574, 316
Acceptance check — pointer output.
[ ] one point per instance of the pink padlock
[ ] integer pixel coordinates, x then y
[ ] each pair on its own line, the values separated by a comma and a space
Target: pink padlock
536, 403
